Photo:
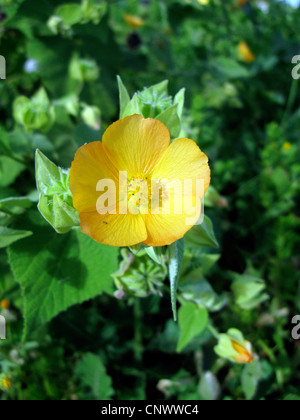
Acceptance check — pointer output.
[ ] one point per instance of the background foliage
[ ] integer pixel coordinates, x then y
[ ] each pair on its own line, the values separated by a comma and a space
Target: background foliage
71, 333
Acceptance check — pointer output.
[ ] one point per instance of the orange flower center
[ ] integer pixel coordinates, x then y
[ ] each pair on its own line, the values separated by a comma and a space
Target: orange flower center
146, 195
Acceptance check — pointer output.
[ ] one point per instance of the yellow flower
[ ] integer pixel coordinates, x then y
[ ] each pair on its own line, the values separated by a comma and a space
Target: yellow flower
6, 383
4, 304
287, 146
142, 178
204, 2
134, 22
245, 53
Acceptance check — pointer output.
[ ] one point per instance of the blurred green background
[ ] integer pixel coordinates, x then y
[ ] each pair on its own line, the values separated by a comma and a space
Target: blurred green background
69, 337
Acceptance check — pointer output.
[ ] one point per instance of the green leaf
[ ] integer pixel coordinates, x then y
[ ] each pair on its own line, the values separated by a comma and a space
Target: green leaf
47, 173
195, 288
59, 271
70, 13
11, 202
192, 321
41, 97
202, 235
9, 170
160, 88
92, 374
170, 118
124, 97
9, 236
179, 99
176, 253
156, 254
251, 377
4, 143
132, 108
230, 68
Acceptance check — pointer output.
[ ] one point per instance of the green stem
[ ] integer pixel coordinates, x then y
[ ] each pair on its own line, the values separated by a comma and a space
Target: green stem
226, 18
267, 350
213, 331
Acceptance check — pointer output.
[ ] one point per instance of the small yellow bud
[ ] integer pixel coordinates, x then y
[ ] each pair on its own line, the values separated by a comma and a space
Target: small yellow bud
4, 304
287, 146
6, 383
245, 53
134, 22
232, 346
245, 354
204, 2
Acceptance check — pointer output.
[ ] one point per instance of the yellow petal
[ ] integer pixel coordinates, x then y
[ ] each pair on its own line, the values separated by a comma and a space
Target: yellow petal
114, 230
135, 144
164, 229
245, 53
245, 356
90, 165
183, 161
134, 22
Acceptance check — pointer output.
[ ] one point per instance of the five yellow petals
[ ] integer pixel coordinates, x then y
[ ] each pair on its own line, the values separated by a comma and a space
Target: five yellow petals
136, 186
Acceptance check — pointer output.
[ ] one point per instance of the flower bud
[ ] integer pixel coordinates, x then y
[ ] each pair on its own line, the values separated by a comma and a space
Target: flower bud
139, 276
36, 113
56, 202
93, 10
4, 304
57, 25
248, 291
154, 102
134, 22
91, 115
214, 199
83, 70
5, 382
232, 346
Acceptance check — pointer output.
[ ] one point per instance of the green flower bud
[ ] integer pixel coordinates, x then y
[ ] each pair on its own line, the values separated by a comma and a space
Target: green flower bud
57, 25
36, 113
248, 291
93, 10
214, 199
70, 103
56, 202
91, 115
232, 346
83, 70
154, 102
139, 275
